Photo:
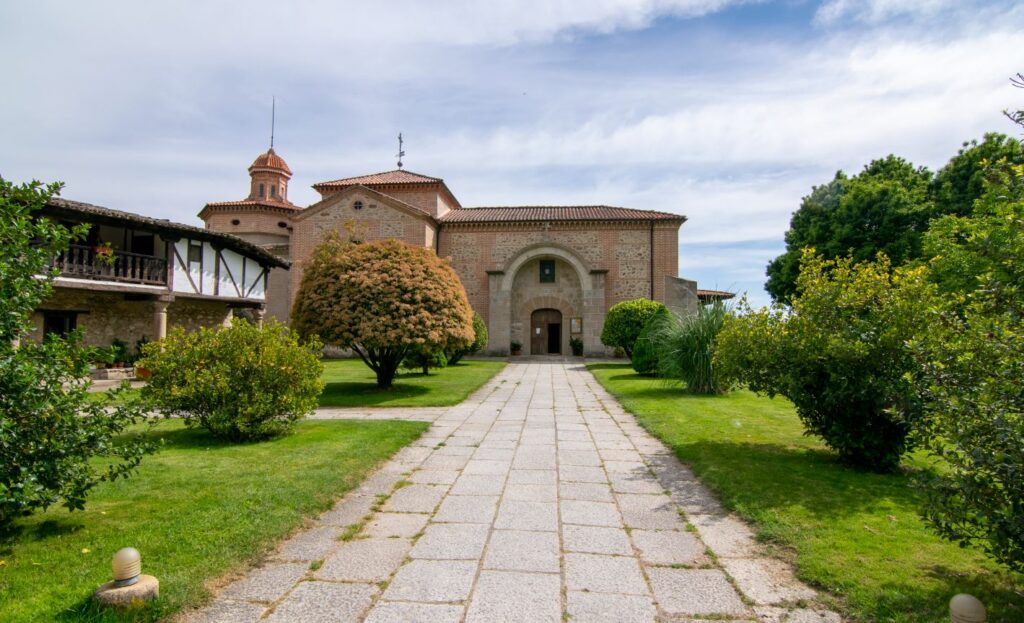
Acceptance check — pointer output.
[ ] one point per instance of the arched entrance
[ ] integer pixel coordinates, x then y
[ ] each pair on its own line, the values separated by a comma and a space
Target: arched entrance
546, 332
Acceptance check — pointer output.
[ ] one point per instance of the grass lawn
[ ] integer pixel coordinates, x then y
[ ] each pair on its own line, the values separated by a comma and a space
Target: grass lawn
197, 509
350, 383
852, 533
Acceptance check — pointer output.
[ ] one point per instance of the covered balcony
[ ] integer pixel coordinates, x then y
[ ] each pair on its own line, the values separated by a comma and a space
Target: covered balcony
103, 263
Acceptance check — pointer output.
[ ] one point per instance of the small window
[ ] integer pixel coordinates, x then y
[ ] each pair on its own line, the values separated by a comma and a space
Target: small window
357, 205
235, 221
273, 191
282, 224
59, 323
547, 271
261, 191
195, 253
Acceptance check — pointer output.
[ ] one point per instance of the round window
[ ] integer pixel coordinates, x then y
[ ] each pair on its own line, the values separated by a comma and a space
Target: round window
357, 205
282, 224
236, 222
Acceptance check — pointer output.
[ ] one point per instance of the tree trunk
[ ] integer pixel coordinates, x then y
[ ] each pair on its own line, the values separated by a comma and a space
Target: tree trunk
385, 375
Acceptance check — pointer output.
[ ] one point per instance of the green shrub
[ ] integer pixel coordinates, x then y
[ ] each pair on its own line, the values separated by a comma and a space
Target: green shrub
576, 344
479, 341
685, 349
50, 431
645, 350
240, 382
840, 354
625, 321
973, 364
421, 357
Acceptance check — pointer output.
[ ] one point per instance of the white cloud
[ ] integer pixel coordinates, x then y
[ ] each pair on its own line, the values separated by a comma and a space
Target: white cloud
876, 11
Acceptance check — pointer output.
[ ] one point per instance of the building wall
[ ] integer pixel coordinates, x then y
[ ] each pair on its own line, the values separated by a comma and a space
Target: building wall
104, 316
257, 227
529, 295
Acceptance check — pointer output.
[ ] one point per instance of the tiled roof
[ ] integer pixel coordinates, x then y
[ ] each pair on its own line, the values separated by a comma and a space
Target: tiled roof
715, 294
398, 176
519, 214
270, 160
249, 203
88, 213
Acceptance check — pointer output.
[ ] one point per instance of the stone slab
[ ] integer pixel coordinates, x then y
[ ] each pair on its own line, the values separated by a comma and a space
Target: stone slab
590, 513
324, 602
604, 574
434, 581
467, 509
512, 597
651, 512
415, 499
405, 612
395, 525
695, 592
451, 541
517, 550
267, 583
596, 540
364, 560
605, 608
520, 515
669, 547
766, 581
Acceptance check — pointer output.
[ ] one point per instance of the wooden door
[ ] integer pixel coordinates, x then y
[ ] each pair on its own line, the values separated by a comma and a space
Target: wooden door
542, 323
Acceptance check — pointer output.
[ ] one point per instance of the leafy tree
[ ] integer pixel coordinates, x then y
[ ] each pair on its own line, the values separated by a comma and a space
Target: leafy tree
645, 350
625, 321
479, 341
50, 431
686, 348
840, 354
972, 364
420, 357
960, 182
883, 209
241, 382
380, 299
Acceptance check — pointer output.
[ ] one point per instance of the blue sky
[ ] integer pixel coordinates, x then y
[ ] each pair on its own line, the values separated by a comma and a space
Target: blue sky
726, 111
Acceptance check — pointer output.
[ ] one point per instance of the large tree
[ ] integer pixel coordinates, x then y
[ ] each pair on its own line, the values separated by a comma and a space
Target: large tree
381, 299
961, 182
50, 431
883, 209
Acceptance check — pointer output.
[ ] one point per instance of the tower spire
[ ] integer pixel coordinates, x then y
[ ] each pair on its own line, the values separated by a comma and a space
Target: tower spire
400, 152
273, 114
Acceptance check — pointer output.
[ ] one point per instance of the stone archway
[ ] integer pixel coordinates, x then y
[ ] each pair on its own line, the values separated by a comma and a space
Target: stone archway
576, 291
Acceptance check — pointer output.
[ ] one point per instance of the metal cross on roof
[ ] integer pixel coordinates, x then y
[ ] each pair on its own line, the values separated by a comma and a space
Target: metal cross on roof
400, 152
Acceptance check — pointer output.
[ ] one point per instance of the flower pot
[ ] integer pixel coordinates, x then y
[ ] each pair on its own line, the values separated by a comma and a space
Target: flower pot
143, 373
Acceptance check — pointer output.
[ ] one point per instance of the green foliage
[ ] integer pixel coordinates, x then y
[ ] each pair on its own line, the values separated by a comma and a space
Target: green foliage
479, 341
645, 350
973, 363
380, 299
625, 321
884, 209
240, 382
686, 348
840, 355
420, 357
49, 429
576, 344
961, 181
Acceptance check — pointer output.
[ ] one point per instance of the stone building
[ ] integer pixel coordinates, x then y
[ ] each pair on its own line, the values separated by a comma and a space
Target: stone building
538, 275
133, 276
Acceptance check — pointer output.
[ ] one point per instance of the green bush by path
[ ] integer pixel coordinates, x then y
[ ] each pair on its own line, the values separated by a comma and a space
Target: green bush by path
855, 534
645, 349
349, 383
199, 509
625, 321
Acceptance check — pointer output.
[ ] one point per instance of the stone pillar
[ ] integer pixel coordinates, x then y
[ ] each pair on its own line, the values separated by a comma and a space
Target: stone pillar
681, 296
499, 316
258, 313
593, 314
160, 319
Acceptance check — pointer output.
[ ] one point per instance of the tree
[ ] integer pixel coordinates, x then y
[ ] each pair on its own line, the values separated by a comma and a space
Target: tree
972, 362
380, 299
840, 354
50, 431
1016, 116
961, 181
241, 382
883, 209
625, 321
479, 341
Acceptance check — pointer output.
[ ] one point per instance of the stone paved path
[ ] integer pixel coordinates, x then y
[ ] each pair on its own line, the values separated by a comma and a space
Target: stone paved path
537, 499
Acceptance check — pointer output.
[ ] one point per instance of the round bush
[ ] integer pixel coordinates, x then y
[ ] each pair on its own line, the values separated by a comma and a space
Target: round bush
241, 382
645, 350
625, 321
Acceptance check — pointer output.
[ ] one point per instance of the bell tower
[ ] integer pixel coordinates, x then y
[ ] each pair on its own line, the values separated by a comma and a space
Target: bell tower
269, 175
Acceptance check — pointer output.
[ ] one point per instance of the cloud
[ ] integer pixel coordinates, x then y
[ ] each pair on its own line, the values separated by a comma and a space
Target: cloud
877, 11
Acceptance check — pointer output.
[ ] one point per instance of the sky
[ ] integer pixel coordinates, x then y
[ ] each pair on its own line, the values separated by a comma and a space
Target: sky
726, 111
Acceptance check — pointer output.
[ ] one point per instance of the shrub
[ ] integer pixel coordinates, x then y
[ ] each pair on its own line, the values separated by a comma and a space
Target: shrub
645, 350
625, 321
380, 299
479, 341
840, 354
576, 344
973, 362
240, 382
419, 357
686, 346
50, 431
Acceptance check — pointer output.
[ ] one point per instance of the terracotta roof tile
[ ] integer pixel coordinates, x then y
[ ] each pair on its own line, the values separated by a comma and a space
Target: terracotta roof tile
398, 176
247, 203
715, 294
520, 214
270, 160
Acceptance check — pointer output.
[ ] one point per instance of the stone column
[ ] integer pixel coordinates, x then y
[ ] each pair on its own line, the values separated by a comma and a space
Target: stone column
499, 315
593, 314
258, 314
160, 319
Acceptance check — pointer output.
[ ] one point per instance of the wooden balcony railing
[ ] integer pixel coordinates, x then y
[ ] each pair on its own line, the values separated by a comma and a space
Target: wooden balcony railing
82, 262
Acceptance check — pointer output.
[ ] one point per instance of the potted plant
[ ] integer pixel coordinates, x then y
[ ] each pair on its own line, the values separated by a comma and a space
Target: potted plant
104, 253
119, 352
576, 344
516, 348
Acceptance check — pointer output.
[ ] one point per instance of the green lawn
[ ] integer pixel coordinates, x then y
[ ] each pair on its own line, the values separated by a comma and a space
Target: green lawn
852, 533
350, 383
197, 509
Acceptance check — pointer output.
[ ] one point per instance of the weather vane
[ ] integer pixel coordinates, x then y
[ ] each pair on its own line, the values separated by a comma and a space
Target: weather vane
400, 151
273, 113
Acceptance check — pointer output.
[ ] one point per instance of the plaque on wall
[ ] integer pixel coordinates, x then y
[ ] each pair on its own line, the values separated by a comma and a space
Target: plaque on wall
575, 325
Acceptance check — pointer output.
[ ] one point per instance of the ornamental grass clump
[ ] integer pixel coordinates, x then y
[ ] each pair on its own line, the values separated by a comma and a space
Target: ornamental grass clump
686, 347
241, 382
